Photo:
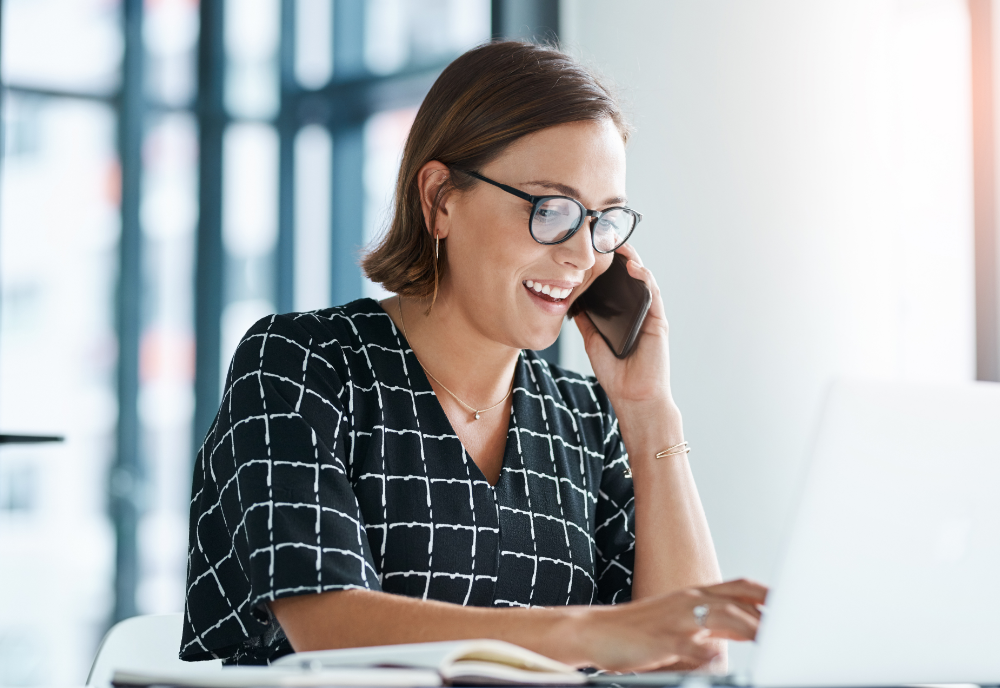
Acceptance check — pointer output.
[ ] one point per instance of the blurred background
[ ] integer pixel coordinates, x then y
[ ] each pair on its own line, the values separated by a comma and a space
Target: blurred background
818, 181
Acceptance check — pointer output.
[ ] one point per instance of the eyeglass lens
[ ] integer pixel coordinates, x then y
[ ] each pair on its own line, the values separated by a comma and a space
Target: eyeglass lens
555, 218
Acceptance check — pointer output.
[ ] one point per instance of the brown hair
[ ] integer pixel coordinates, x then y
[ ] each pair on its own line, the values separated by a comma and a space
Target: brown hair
482, 102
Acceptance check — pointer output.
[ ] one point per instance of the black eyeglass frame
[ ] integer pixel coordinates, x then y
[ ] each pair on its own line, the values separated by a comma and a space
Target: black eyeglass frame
584, 214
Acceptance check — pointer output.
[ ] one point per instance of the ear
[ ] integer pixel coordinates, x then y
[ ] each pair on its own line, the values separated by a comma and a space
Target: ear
430, 180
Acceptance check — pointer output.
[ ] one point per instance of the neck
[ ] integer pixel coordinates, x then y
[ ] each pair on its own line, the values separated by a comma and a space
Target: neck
454, 350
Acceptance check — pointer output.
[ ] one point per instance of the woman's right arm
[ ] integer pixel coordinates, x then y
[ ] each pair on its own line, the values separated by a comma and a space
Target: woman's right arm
643, 635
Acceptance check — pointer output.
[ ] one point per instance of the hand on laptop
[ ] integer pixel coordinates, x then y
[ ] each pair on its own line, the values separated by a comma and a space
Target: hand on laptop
666, 632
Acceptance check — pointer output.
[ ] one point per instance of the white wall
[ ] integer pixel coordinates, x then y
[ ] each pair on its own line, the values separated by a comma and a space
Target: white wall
804, 169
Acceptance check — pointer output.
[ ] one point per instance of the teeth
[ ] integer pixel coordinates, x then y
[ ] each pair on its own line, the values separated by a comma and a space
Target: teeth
555, 292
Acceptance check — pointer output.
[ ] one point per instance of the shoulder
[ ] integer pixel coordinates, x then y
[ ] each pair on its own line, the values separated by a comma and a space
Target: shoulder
326, 333
361, 322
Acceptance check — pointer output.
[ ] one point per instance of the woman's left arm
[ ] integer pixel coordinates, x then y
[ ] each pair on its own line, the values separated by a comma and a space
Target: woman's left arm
673, 545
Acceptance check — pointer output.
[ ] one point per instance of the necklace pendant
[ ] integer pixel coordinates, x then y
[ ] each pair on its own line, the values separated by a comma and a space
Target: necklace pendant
476, 416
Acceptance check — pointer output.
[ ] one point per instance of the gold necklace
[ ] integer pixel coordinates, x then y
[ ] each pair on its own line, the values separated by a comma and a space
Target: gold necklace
475, 411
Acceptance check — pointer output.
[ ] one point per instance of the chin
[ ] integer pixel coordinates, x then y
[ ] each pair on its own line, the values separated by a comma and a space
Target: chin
539, 339
527, 328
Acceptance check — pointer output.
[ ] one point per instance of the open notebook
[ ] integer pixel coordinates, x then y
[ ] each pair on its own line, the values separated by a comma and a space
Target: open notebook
464, 662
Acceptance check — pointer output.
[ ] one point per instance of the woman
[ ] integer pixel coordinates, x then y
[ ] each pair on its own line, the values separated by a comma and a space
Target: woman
419, 447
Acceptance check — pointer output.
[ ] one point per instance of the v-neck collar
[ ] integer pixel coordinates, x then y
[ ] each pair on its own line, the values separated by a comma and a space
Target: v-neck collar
512, 458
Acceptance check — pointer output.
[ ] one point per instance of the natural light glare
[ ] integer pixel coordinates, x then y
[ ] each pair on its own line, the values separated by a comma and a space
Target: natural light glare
313, 42
414, 32
62, 44
58, 262
313, 167
250, 193
170, 35
385, 136
166, 357
251, 39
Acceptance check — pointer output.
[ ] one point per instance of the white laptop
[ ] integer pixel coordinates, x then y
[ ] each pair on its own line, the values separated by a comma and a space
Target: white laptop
891, 572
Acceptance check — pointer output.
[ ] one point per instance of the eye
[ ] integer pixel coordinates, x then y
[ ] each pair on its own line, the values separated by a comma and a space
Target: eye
607, 223
549, 213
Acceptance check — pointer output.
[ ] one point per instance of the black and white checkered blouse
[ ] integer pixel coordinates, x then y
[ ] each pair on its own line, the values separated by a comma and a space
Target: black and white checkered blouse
331, 465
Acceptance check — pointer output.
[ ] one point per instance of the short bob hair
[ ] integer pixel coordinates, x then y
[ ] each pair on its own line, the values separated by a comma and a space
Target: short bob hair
482, 102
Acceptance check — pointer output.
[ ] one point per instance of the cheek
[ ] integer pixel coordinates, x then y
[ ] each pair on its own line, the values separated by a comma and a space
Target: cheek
501, 249
482, 226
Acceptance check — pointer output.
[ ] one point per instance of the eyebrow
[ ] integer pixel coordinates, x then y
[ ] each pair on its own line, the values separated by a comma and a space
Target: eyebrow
570, 191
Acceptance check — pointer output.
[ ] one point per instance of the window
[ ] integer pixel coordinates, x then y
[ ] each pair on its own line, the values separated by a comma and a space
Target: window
59, 248
169, 176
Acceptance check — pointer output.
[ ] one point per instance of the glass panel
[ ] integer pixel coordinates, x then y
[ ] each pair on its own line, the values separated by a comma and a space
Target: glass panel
74, 45
59, 253
313, 42
403, 32
252, 33
166, 357
249, 228
554, 219
385, 136
313, 171
387, 45
170, 34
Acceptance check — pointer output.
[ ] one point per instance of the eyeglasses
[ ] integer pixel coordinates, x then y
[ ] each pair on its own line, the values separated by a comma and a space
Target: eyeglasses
554, 219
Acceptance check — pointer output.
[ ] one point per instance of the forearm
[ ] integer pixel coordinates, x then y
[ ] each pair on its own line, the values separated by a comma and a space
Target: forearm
673, 547
358, 618
635, 636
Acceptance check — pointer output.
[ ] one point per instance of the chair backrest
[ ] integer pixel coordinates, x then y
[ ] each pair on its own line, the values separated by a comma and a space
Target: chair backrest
148, 643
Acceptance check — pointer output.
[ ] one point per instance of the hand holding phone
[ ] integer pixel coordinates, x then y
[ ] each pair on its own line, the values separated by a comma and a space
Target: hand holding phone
617, 304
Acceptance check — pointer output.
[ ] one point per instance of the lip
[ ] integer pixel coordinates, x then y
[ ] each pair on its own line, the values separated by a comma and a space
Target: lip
551, 307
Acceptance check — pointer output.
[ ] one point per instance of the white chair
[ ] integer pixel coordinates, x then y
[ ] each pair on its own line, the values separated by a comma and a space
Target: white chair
148, 643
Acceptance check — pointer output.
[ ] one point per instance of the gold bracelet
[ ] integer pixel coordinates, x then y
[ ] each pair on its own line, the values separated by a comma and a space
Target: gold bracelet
675, 450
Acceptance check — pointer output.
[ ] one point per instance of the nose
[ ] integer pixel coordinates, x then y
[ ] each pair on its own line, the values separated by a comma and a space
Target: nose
578, 252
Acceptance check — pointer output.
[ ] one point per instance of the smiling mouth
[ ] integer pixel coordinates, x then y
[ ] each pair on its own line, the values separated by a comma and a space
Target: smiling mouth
547, 293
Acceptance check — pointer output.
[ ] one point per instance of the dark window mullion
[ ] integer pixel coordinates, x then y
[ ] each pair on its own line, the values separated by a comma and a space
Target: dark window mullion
287, 128
209, 277
347, 132
126, 477
525, 20
347, 212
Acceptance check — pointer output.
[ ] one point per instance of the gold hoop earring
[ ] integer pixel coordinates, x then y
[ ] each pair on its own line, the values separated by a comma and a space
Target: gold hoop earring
437, 246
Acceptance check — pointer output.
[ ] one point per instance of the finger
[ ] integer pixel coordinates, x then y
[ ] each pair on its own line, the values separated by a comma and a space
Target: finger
730, 621
697, 651
751, 610
740, 589
645, 275
637, 270
587, 331
628, 250
584, 324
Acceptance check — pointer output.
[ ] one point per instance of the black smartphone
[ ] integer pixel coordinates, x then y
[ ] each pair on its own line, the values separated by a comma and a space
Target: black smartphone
617, 304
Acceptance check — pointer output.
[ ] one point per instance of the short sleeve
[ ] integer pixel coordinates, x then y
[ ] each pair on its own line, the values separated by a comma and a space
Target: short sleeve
273, 513
614, 530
